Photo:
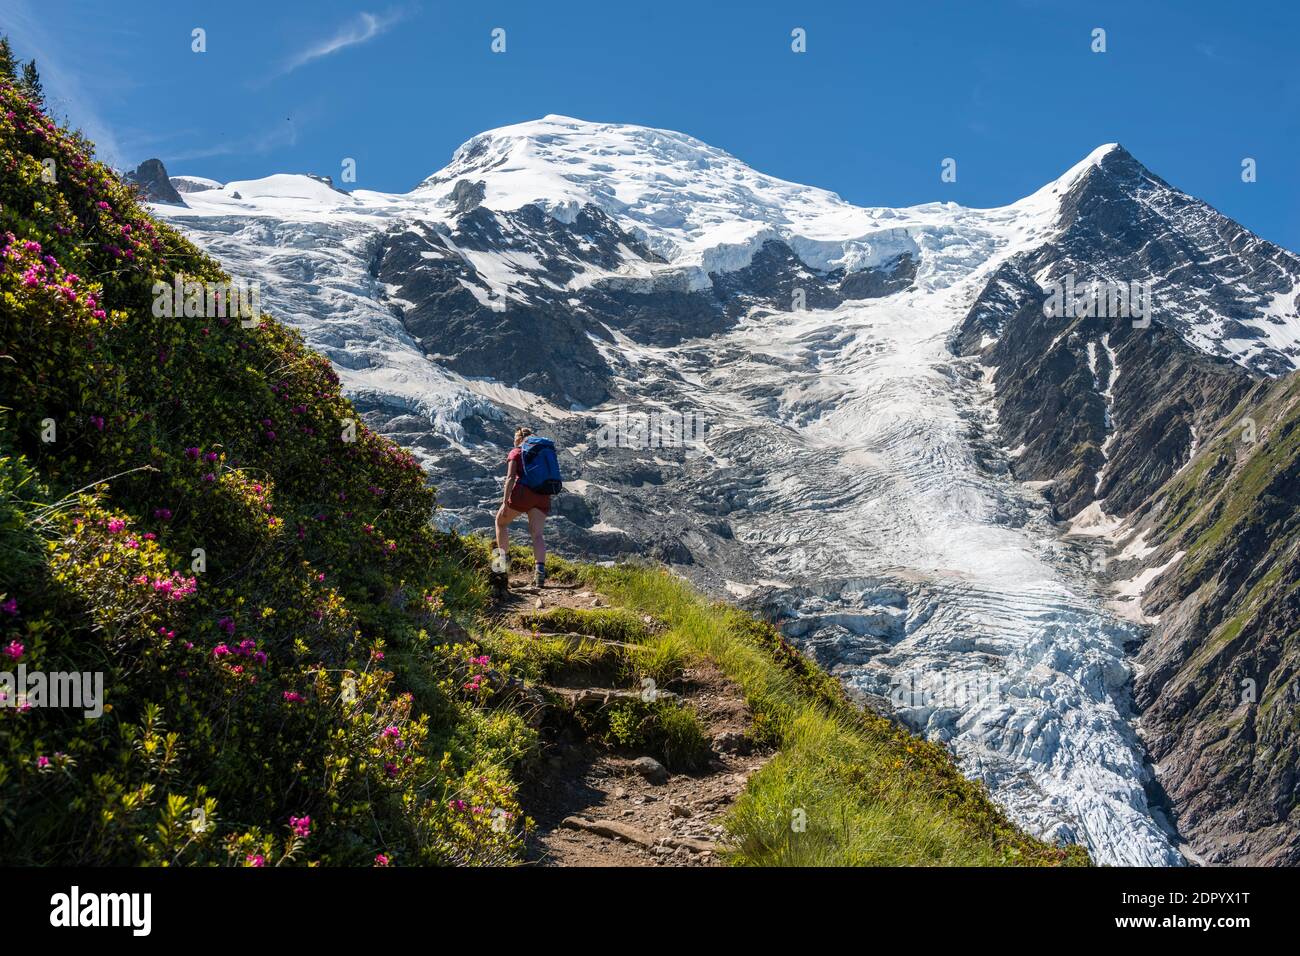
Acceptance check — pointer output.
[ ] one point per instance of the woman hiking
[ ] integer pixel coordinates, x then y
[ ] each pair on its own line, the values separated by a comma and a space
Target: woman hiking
521, 499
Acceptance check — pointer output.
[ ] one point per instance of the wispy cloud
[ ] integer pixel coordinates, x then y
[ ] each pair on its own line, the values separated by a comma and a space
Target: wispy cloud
362, 28
1211, 52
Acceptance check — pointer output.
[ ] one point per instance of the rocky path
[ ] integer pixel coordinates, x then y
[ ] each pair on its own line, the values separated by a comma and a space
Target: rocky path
595, 807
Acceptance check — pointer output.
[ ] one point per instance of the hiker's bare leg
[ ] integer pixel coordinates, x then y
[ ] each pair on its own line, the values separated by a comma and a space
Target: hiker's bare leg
504, 517
536, 519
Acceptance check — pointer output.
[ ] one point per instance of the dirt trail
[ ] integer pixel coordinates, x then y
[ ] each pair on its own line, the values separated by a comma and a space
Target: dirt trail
593, 807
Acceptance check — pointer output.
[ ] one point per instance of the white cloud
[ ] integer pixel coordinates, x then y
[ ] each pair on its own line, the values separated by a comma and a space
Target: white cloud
361, 29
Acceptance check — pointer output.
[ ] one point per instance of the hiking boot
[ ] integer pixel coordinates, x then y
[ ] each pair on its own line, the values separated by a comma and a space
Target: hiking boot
539, 577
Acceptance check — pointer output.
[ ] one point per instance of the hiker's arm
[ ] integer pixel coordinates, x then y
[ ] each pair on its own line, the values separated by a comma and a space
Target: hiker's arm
511, 478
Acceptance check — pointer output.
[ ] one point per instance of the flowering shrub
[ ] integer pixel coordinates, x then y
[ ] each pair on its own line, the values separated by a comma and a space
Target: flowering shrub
191, 508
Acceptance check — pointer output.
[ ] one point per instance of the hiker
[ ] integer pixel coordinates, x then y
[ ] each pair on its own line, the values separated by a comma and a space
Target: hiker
532, 476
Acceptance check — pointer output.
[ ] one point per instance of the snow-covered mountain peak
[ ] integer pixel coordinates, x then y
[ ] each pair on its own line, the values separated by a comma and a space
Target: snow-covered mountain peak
1227, 292
683, 197
1045, 202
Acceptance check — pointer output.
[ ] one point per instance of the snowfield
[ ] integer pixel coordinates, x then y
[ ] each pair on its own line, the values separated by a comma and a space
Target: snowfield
901, 560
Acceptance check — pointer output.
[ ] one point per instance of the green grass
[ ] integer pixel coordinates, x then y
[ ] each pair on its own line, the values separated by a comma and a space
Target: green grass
655, 653
1211, 501
670, 730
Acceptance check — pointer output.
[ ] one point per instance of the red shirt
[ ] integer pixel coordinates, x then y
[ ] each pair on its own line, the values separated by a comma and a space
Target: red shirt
523, 498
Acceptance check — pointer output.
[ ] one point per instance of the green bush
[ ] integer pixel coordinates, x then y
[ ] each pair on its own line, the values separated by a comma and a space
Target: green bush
663, 728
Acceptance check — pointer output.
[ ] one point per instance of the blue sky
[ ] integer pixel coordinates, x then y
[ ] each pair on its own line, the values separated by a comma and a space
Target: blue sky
885, 91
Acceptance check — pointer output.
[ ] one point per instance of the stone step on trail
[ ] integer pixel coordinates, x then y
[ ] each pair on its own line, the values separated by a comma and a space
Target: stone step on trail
613, 829
569, 637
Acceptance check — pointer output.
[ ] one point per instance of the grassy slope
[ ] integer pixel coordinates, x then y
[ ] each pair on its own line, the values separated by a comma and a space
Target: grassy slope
1235, 512
846, 788
299, 671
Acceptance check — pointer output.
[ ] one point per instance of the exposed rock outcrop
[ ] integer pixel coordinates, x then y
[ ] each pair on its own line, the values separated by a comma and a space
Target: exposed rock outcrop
150, 177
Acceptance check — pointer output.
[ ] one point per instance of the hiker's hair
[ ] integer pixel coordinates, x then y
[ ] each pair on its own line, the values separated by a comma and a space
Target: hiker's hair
522, 433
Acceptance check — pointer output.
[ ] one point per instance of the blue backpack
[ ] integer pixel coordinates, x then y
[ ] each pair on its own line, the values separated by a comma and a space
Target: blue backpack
541, 465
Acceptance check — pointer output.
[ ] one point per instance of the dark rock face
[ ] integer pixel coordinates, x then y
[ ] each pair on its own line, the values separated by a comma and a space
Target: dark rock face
539, 336
1100, 408
466, 195
535, 342
150, 177
893, 276
775, 278
1096, 433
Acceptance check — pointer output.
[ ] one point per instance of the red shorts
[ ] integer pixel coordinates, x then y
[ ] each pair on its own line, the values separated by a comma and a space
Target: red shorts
522, 498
